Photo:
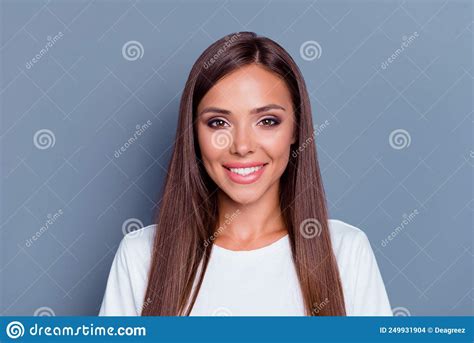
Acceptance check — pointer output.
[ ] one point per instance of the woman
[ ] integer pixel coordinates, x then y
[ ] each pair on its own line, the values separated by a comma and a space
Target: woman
243, 224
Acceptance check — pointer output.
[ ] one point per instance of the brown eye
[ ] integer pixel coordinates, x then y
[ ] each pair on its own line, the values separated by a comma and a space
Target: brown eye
216, 123
269, 122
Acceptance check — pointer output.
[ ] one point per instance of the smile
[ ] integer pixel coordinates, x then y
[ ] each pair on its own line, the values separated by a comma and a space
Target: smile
245, 171
245, 175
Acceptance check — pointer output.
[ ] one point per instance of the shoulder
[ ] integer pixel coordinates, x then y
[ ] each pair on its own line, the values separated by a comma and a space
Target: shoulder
353, 253
364, 290
127, 279
347, 240
137, 245
344, 233
134, 254
141, 238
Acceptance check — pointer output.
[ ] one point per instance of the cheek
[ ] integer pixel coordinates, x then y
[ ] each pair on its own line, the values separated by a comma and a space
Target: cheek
277, 146
209, 152
279, 140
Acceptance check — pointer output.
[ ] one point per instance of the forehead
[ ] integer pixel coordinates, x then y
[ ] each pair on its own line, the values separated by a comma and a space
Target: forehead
248, 87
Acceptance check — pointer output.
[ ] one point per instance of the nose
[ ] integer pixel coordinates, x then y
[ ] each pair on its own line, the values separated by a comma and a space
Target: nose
243, 141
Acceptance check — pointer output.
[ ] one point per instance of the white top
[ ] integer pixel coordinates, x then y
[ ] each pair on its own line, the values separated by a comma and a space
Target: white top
260, 282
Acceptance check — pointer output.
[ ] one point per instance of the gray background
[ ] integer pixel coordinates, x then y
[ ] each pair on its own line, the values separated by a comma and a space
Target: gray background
91, 98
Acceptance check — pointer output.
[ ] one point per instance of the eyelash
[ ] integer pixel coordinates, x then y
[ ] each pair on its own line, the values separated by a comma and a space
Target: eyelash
276, 122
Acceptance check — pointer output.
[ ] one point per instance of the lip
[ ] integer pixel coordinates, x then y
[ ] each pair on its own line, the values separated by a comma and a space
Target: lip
243, 165
247, 179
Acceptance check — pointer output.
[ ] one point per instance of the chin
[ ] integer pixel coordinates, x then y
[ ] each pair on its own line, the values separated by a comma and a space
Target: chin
243, 197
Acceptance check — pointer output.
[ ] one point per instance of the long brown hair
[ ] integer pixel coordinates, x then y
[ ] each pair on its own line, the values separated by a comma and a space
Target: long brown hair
188, 213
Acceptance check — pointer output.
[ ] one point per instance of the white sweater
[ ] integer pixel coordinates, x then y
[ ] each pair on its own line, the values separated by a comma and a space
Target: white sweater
260, 282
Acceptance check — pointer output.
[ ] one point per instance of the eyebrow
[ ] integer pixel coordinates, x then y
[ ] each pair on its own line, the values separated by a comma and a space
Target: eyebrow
254, 111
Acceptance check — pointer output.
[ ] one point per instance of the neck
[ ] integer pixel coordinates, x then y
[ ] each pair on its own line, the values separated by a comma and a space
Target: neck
249, 222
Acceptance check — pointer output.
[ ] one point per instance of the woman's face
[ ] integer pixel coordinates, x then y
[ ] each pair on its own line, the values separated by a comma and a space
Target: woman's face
245, 127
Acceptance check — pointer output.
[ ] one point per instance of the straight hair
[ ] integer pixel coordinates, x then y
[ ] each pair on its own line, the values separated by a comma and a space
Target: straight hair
188, 214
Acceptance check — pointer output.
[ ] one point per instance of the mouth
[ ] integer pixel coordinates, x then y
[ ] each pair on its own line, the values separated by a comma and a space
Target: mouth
245, 174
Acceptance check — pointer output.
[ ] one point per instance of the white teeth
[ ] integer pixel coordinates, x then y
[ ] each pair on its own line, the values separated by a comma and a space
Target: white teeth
245, 171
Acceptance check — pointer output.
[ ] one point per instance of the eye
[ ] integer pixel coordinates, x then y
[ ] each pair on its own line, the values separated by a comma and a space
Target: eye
216, 123
270, 122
